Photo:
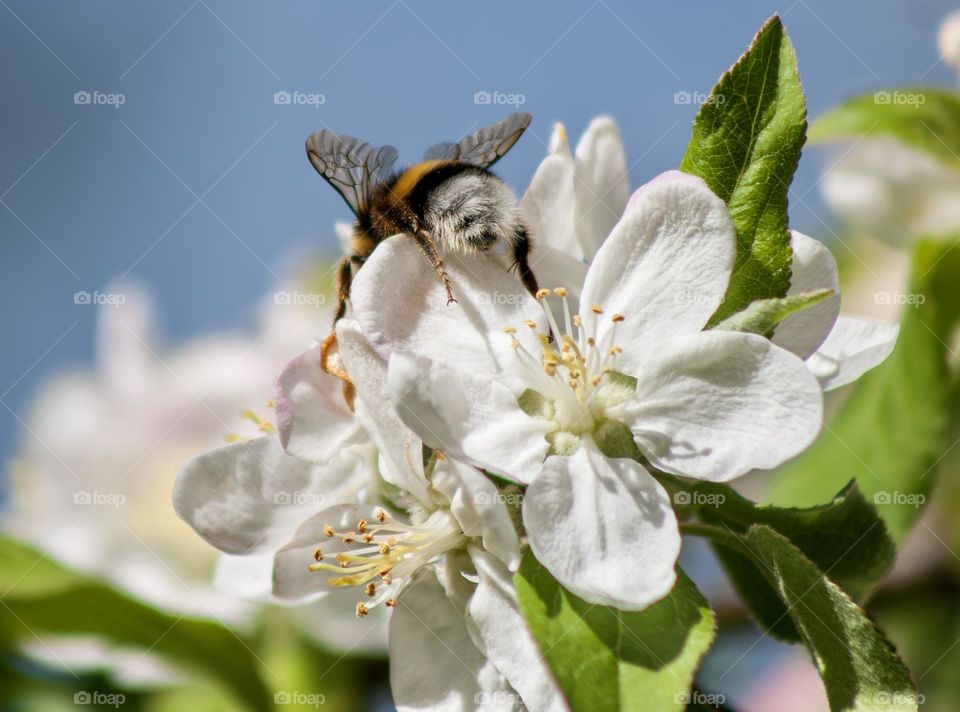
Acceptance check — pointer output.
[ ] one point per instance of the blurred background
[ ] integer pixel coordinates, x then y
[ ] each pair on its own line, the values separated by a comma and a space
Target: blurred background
161, 145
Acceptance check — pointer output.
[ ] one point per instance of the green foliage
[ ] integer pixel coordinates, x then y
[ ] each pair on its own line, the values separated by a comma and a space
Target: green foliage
893, 431
607, 659
41, 598
924, 119
746, 145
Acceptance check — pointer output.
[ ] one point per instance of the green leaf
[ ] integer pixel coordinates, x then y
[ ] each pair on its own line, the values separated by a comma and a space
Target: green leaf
894, 429
924, 119
858, 666
41, 598
746, 145
607, 659
845, 538
761, 316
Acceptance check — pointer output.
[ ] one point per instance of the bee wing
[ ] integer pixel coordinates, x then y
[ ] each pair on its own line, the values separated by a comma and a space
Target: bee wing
486, 146
351, 166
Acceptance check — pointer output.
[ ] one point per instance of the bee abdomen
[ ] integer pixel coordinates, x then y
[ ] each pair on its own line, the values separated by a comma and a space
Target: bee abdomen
472, 210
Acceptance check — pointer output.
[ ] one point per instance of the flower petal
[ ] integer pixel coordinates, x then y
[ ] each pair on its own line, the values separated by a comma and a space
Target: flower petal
313, 420
480, 509
853, 348
249, 497
434, 664
601, 188
548, 206
604, 528
401, 306
507, 640
401, 452
665, 266
715, 405
468, 416
813, 269
291, 578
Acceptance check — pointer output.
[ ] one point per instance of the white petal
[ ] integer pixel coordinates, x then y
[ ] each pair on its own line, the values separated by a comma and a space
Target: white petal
853, 348
548, 206
401, 306
554, 268
715, 405
313, 419
813, 269
480, 509
332, 621
291, 578
604, 528
601, 189
665, 267
249, 577
434, 664
507, 640
249, 497
401, 452
469, 416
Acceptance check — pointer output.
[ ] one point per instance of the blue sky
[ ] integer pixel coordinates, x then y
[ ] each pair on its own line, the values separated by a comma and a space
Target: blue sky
197, 185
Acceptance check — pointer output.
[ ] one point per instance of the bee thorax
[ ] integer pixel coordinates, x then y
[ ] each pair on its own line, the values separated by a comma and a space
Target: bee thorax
472, 212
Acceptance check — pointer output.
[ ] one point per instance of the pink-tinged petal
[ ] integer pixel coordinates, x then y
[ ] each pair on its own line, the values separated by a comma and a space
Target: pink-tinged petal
313, 419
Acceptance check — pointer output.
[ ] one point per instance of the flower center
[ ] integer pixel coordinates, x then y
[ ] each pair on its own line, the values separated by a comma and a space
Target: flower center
573, 374
382, 555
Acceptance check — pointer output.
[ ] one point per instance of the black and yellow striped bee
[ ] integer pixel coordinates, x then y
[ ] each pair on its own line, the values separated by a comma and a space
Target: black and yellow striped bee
450, 201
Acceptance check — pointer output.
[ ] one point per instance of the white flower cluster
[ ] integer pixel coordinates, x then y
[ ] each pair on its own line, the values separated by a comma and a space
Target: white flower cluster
452, 408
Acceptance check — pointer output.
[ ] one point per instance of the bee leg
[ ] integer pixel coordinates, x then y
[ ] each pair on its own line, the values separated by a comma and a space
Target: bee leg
521, 253
424, 242
342, 281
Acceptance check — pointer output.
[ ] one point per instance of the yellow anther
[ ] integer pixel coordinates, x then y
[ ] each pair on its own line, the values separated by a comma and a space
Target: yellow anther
390, 602
362, 526
614, 350
328, 530
392, 542
530, 323
370, 589
318, 554
509, 330
367, 538
591, 341
577, 320
560, 292
384, 549
617, 318
270, 403
542, 294
362, 609
381, 516
596, 310
233, 438
349, 537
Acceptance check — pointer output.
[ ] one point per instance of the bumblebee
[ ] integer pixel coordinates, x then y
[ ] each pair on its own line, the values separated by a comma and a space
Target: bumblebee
449, 202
